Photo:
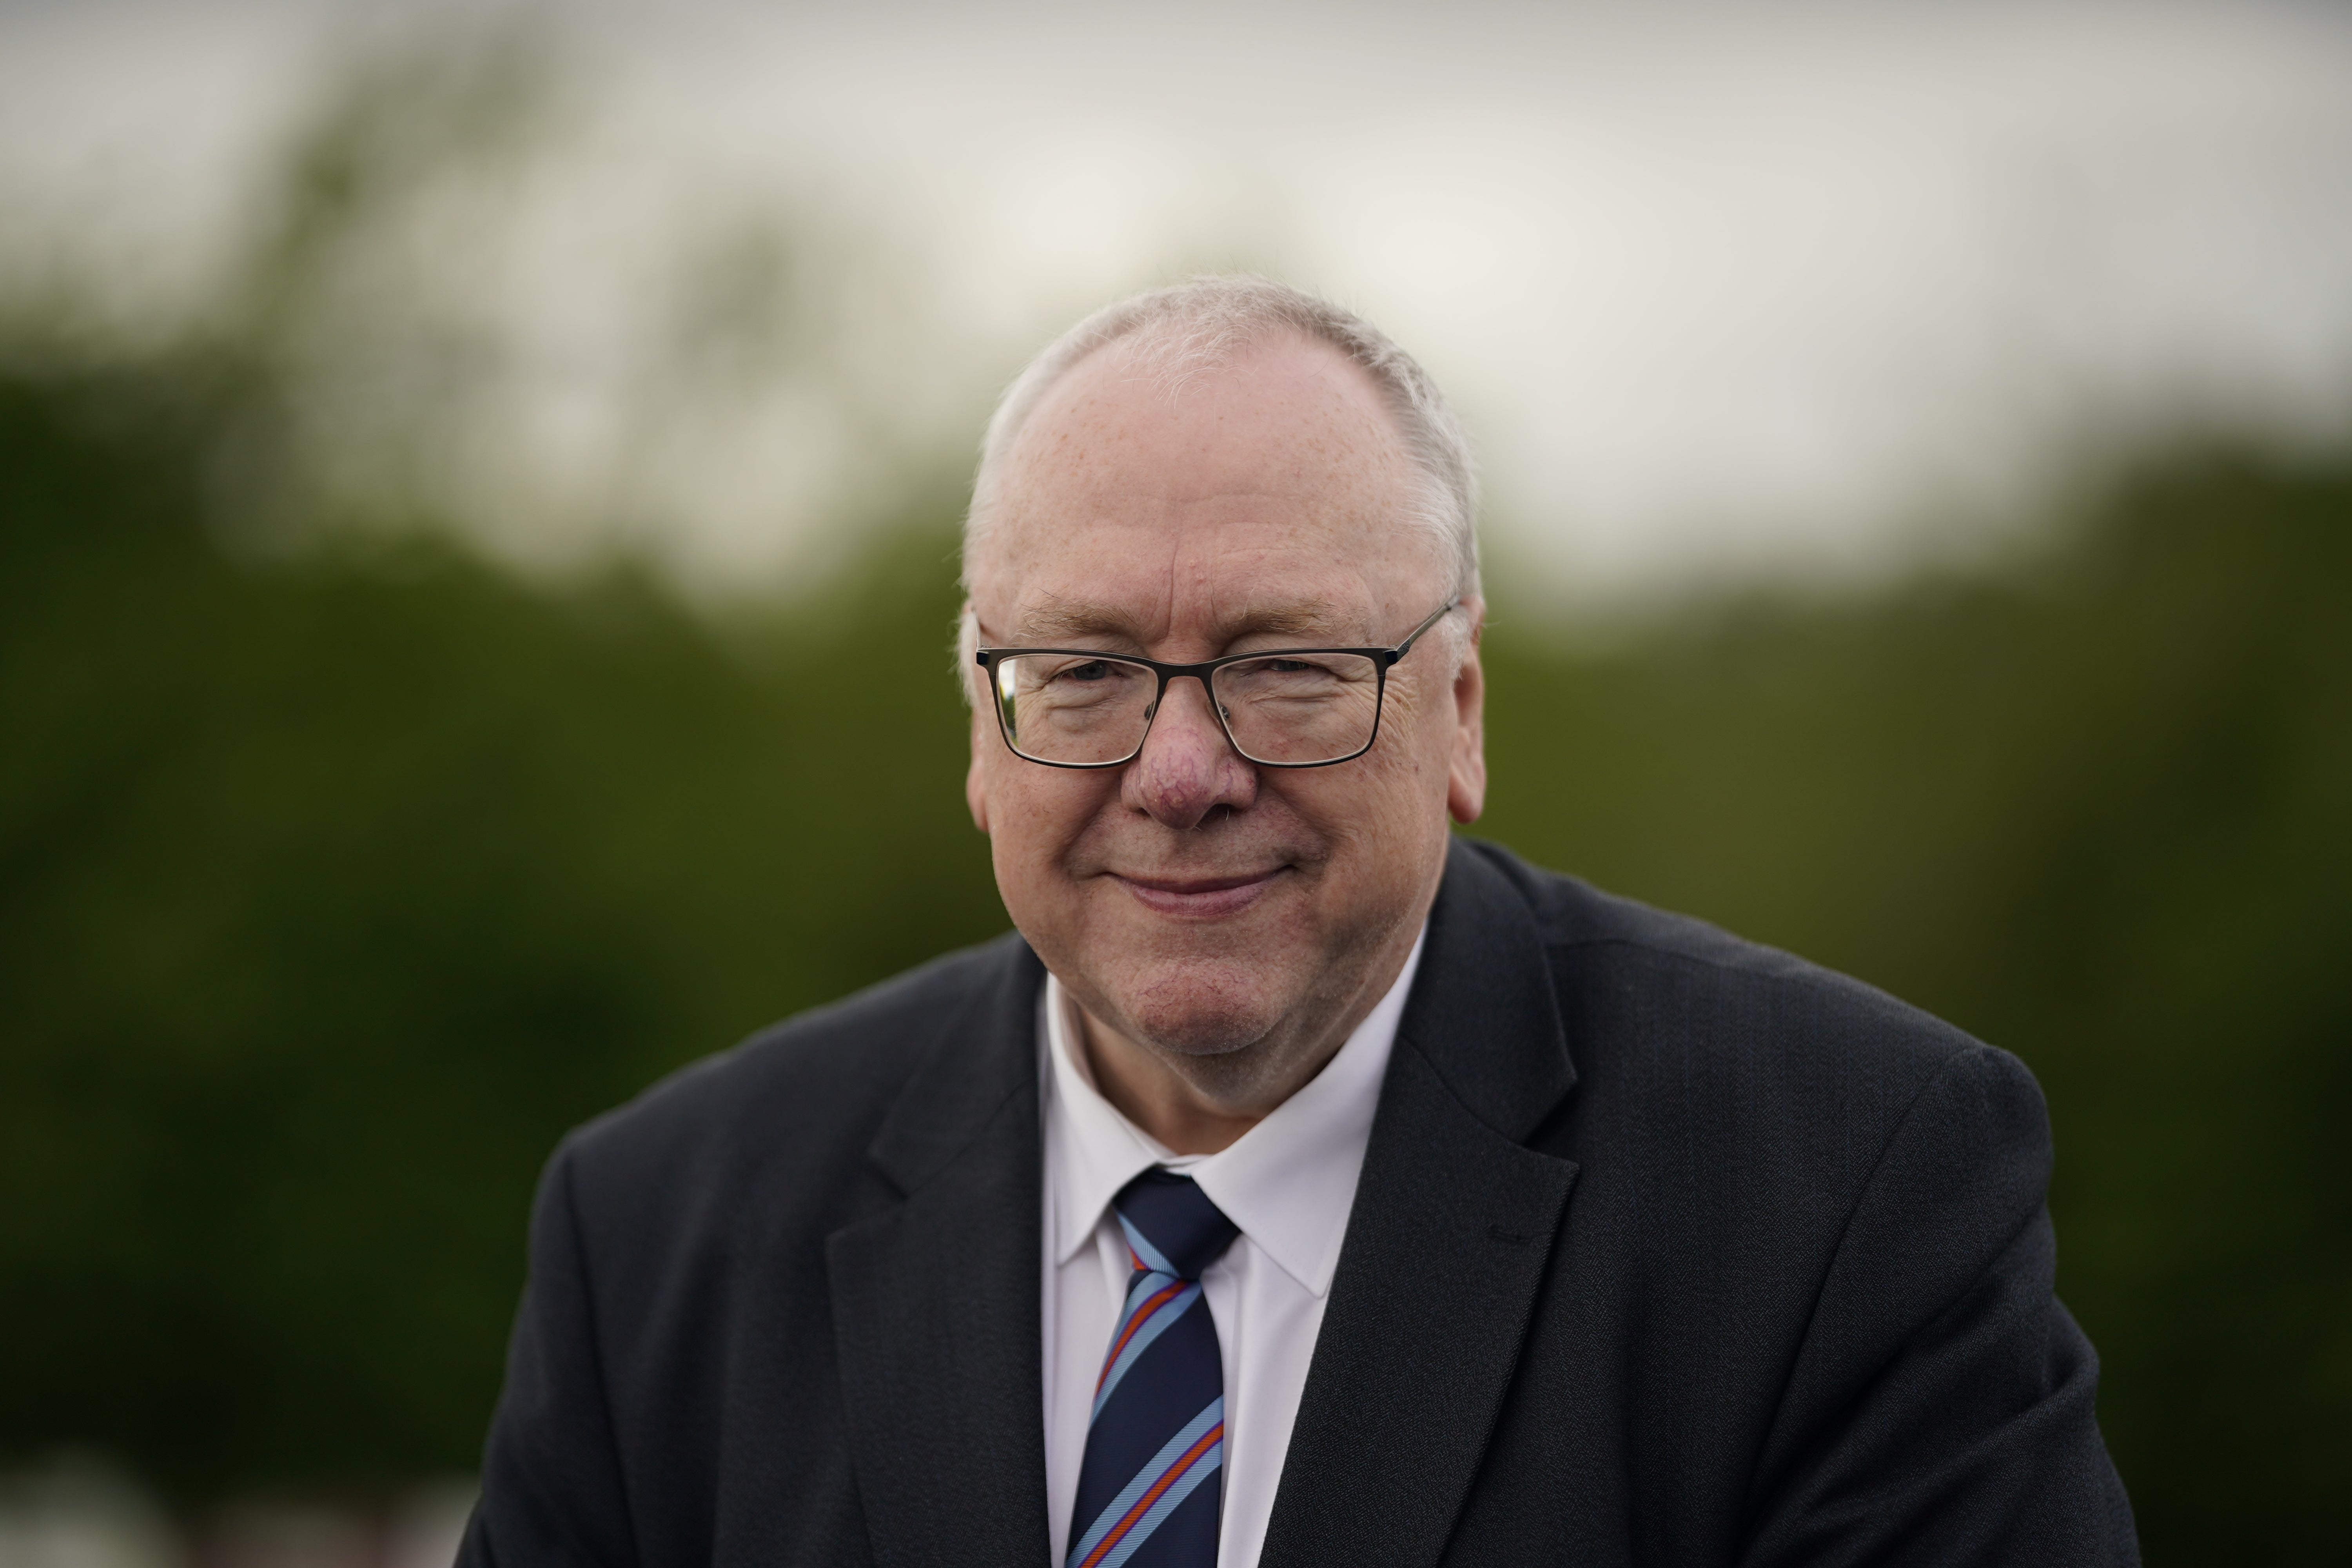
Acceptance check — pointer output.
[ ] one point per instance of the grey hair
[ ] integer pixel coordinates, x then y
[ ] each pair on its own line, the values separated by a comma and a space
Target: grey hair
1189, 328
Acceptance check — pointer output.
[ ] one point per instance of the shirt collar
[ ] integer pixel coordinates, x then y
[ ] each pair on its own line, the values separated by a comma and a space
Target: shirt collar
1288, 1182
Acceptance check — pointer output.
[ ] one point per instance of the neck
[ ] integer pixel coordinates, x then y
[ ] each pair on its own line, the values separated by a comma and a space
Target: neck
1185, 1117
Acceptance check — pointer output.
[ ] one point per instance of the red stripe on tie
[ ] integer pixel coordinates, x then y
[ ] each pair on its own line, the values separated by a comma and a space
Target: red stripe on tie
1127, 1332
1185, 1462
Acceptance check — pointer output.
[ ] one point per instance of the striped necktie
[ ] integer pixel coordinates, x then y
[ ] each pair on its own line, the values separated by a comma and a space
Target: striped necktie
1149, 1492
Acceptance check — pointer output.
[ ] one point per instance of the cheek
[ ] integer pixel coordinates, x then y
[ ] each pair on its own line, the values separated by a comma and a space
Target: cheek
1416, 743
1376, 812
1389, 806
1034, 813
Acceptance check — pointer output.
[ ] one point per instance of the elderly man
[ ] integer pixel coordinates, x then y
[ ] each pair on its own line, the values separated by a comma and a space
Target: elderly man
1300, 1183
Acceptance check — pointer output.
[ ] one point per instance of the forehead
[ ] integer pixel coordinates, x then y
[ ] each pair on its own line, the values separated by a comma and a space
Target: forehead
1276, 482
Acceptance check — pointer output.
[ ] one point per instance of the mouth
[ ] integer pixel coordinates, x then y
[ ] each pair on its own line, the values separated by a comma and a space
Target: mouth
1199, 898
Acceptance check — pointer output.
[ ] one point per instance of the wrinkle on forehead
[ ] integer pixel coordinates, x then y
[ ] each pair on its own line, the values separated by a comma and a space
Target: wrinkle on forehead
1058, 617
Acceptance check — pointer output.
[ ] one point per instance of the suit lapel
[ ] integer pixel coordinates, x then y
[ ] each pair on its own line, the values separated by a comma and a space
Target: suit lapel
1446, 1246
936, 1303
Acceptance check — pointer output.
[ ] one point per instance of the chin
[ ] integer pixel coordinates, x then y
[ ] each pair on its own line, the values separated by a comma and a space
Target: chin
1204, 1007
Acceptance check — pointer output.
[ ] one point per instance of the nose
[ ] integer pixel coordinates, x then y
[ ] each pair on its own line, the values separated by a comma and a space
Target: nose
1187, 768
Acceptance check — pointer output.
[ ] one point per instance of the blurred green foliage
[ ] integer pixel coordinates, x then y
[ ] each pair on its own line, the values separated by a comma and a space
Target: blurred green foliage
333, 888
336, 882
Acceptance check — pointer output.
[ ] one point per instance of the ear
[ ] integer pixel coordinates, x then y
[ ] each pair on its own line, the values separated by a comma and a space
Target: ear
975, 777
1465, 776
976, 699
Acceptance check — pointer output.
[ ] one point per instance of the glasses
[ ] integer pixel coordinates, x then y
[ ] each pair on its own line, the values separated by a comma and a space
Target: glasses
1283, 708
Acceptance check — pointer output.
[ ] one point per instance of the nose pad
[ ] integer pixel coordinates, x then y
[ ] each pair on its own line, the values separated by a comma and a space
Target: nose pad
1218, 716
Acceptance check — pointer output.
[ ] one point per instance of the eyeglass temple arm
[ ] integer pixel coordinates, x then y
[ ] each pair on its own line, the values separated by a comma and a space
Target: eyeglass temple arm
1413, 635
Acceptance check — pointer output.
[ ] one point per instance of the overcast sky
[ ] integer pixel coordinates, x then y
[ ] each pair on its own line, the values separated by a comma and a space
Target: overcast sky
1721, 289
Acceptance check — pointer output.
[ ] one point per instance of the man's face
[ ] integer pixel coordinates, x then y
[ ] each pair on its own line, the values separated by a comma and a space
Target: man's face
1196, 903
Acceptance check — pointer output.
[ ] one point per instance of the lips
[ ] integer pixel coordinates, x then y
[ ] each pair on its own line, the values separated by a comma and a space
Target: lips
1199, 898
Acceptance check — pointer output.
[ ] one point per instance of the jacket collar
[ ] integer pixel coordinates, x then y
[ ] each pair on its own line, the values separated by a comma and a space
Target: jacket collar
1485, 1010
1449, 1243
935, 1297
970, 1078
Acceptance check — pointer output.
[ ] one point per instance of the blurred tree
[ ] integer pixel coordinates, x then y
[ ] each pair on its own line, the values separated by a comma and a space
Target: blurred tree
332, 890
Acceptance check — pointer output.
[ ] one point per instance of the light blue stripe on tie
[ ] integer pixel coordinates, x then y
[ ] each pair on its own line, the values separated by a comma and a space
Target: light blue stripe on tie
1148, 1330
1182, 1488
1147, 1284
1129, 1494
1151, 1256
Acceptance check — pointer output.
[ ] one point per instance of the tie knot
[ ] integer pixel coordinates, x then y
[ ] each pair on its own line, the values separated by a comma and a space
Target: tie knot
1170, 1221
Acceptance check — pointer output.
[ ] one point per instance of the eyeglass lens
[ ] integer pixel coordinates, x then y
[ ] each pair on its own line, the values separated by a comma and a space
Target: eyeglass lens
1288, 708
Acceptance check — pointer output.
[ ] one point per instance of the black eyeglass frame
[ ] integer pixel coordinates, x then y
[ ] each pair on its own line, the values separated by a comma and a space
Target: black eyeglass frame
1383, 659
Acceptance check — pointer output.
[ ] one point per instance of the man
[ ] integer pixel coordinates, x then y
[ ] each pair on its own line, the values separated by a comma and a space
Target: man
1300, 1185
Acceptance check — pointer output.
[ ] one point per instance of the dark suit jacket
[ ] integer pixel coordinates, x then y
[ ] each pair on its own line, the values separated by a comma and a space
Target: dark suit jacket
1668, 1250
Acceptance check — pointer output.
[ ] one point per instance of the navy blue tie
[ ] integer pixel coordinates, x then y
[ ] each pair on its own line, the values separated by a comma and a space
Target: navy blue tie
1149, 1492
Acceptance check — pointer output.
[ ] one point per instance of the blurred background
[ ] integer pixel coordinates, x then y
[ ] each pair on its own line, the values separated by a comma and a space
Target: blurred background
478, 492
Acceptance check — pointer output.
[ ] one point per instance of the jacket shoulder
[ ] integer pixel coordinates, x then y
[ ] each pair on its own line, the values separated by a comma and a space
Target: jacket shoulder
799, 1101
1700, 993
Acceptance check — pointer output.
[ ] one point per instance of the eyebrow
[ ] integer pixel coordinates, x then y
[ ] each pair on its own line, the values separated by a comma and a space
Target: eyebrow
1058, 618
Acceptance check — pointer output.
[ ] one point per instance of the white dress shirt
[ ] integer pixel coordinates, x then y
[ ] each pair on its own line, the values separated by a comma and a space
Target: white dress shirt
1288, 1182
